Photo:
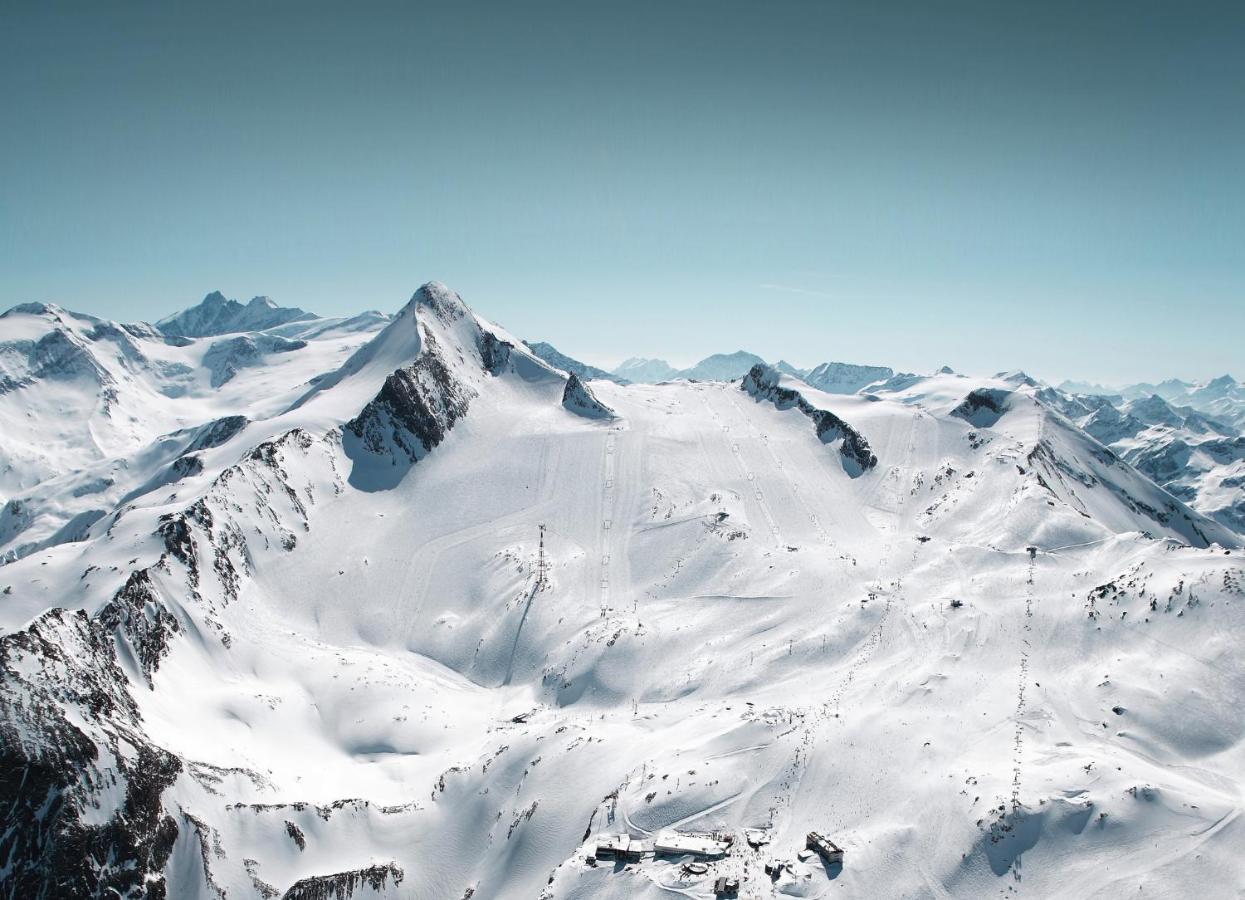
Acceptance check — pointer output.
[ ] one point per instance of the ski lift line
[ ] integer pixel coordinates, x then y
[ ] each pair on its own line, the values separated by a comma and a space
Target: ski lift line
766, 512
865, 651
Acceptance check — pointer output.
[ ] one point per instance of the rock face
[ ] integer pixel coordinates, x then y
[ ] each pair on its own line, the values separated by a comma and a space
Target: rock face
578, 398
415, 409
762, 382
82, 786
343, 885
983, 407
217, 315
494, 353
845, 378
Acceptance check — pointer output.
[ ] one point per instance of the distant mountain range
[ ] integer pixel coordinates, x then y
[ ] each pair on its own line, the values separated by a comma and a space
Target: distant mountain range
216, 315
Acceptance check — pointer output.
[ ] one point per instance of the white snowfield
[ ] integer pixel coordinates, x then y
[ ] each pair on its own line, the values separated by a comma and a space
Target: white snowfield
427, 624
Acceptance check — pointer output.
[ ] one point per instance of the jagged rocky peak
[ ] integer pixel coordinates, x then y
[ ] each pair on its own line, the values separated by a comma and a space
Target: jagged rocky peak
217, 315
764, 383
579, 399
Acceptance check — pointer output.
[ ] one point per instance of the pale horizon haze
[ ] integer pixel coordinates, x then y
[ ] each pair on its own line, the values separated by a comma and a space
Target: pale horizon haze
1056, 188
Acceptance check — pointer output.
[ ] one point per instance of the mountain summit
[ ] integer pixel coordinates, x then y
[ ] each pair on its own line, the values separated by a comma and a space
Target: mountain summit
218, 315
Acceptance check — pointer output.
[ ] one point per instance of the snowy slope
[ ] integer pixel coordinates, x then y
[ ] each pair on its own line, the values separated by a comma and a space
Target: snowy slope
426, 625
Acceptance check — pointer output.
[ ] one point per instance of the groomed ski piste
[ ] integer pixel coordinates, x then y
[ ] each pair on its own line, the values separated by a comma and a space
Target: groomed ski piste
934, 621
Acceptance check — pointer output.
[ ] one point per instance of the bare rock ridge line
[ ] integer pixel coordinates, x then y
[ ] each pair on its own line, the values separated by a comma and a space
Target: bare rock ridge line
762, 382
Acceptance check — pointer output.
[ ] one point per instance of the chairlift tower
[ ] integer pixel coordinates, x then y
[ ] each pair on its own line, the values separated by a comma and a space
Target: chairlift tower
541, 564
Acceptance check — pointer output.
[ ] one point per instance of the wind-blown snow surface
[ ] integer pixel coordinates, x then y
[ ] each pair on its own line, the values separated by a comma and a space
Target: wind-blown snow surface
330, 661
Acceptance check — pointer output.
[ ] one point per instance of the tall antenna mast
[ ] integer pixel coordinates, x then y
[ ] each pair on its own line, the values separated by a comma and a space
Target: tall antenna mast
540, 561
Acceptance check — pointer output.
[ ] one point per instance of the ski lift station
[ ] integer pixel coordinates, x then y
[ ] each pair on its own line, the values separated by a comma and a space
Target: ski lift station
622, 846
827, 849
668, 843
674, 843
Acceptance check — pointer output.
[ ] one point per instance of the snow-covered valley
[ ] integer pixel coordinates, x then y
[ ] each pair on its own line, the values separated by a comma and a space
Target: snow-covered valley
389, 606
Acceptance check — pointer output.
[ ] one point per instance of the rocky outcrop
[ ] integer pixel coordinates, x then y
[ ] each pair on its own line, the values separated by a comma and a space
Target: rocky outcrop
983, 407
763, 383
141, 620
494, 352
578, 398
343, 885
216, 432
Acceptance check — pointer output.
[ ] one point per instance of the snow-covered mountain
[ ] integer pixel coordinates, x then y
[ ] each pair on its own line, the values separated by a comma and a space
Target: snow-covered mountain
645, 371
409, 612
217, 315
722, 367
1195, 457
570, 365
846, 378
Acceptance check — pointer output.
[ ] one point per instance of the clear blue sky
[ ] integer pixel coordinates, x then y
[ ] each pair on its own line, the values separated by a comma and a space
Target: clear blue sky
1058, 187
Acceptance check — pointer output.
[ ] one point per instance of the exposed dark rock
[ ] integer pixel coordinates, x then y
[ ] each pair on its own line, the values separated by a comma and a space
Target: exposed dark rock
343, 885
983, 407
296, 835
217, 432
762, 382
140, 618
69, 736
494, 352
415, 408
578, 398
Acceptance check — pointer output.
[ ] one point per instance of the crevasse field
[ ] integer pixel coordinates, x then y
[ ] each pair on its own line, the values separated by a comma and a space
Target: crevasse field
391, 607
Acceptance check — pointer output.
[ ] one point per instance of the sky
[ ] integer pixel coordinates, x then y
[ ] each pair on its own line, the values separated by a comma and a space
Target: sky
1058, 187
